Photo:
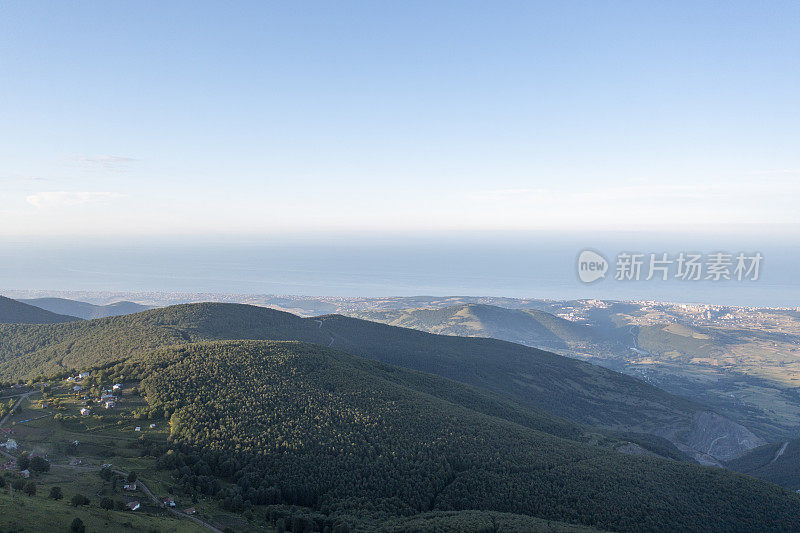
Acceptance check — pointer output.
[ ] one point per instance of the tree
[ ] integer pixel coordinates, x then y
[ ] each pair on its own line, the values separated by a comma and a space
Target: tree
107, 503
23, 461
79, 499
132, 477
30, 488
77, 526
106, 473
55, 493
39, 464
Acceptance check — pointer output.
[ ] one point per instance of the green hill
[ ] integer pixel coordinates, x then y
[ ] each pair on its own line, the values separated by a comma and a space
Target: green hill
524, 326
567, 388
14, 312
300, 424
85, 310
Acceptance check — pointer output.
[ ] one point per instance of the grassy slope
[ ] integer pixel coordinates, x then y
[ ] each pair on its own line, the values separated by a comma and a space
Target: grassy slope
332, 423
14, 312
40, 513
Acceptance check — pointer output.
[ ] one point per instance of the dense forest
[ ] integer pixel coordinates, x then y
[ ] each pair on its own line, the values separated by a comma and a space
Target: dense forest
778, 463
572, 389
298, 424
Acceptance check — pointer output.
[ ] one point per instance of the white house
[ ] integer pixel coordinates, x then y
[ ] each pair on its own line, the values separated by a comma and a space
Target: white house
138, 428
132, 506
152, 426
109, 404
10, 444
129, 486
83, 375
116, 386
85, 412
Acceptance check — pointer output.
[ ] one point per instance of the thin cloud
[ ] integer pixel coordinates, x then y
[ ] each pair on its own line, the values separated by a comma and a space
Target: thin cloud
22, 178
656, 192
47, 199
110, 162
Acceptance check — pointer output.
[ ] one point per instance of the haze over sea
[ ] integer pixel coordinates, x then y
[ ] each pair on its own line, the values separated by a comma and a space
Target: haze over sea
523, 265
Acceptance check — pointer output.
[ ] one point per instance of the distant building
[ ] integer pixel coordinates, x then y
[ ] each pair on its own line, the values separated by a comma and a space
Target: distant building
109, 404
152, 426
25, 473
10, 444
83, 375
190, 510
77, 388
85, 412
129, 486
138, 428
116, 386
132, 506
170, 502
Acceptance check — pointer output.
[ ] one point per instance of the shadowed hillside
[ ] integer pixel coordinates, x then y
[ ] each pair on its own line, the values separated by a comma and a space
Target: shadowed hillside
305, 425
14, 312
568, 388
778, 463
85, 310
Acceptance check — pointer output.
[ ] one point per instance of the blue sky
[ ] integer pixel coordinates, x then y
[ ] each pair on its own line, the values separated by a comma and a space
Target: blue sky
208, 117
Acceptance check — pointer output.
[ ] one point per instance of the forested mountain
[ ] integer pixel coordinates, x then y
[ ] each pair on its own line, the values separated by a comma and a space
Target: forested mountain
85, 310
15, 312
568, 388
359, 441
531, 327
778, 463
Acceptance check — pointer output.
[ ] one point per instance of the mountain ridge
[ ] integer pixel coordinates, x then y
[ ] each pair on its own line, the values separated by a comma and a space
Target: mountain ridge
16, 312
85, 310
567, 388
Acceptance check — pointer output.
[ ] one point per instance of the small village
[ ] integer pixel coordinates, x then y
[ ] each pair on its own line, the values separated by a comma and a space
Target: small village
56, 439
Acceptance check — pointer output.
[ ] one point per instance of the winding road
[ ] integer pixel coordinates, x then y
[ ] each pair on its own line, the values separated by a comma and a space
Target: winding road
780, 452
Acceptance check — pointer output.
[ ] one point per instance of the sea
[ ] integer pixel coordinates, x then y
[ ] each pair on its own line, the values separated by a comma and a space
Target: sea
507, 264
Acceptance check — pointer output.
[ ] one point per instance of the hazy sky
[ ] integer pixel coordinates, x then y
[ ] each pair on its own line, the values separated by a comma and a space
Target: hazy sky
195, 117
